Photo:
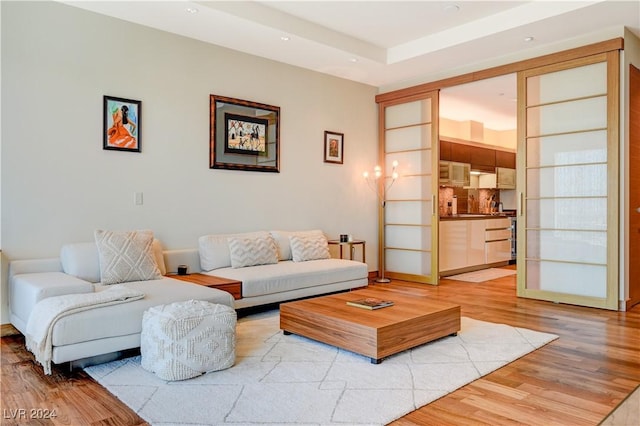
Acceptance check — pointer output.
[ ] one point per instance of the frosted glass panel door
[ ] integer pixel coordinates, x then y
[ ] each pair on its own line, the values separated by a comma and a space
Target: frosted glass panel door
408, 218
569, 137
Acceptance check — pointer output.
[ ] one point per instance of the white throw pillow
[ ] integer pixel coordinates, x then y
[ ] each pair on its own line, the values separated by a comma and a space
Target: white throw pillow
284, 245
214, 249
309, 247
82, 260
126, 256
251, 251
159, 256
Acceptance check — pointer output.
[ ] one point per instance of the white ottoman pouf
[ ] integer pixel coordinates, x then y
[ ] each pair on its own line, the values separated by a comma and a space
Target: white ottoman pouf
186, 339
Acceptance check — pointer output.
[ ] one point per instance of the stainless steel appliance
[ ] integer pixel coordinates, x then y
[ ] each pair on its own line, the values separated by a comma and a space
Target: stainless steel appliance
513, 239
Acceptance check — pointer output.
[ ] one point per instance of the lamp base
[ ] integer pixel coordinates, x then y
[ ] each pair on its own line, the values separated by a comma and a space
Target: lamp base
382, 280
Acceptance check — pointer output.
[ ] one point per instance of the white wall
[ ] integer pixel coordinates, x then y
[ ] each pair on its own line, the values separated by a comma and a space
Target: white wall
59, 185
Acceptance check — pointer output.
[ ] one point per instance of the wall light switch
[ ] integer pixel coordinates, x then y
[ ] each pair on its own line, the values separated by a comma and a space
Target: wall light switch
137, 198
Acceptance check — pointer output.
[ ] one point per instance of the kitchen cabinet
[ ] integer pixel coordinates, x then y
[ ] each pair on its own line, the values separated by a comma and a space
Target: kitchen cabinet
497, 251
505, 178
497, 240
445, 150
483, 159
473, 243
506, 159
461, 243
460, 153
454, 174
480, 158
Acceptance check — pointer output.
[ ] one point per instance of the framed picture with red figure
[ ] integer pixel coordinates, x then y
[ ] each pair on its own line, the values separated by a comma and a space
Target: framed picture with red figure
333, 145
121, 124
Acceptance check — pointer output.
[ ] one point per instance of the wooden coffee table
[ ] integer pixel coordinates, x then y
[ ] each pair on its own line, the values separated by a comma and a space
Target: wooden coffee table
410, 322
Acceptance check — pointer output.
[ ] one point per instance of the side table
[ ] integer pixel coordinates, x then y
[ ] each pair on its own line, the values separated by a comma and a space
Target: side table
230, 286
352, 247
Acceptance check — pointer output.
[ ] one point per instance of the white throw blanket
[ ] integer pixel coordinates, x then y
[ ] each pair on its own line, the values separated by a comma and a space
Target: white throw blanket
49, 310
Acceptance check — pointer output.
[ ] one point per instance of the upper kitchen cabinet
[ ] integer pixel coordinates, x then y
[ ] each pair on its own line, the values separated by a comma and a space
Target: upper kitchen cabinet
483, 159
445, 150
506, 159
460, 153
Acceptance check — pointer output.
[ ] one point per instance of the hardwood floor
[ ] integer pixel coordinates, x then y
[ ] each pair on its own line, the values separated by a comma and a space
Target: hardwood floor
577, 379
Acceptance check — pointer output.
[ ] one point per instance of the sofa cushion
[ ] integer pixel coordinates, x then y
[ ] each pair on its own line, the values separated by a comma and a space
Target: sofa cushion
284, 245
214, 249
251, 251
82, 260
26, 290
126, 318
126, 256
288, 275
309, 247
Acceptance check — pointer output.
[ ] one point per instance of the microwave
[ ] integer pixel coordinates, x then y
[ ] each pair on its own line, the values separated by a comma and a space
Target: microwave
455, 174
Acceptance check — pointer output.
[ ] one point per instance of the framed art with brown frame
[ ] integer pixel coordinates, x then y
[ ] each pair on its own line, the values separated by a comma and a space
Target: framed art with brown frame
333, 147
121, 129
244, 135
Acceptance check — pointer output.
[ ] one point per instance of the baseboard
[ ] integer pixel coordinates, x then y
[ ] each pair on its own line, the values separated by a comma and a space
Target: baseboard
626, 305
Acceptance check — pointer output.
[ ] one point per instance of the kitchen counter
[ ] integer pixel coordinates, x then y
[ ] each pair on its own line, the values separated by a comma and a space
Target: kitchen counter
473, 216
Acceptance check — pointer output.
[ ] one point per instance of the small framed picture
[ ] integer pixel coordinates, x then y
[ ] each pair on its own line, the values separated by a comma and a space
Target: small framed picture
333, 147
121, 124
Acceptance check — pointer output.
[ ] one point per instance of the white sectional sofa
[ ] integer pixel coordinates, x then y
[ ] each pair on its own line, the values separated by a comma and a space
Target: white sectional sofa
286, 271
273, 266
101, 330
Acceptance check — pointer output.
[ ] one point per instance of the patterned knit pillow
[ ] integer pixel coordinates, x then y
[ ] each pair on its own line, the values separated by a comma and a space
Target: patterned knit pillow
251, 251
309, 247
126, 256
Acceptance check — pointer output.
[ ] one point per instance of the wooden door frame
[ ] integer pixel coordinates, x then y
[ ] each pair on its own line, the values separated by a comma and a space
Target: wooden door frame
613, 46
633, 190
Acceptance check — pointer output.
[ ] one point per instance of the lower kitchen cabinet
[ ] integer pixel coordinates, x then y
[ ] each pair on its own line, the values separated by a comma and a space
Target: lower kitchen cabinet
497, 251
497, 240
473, 244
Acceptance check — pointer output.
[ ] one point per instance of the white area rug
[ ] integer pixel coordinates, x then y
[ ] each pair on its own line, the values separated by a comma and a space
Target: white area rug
482, 275
280, 379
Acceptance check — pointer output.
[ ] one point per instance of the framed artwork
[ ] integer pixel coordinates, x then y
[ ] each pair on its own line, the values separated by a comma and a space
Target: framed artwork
244, 135
121, 130
333, 147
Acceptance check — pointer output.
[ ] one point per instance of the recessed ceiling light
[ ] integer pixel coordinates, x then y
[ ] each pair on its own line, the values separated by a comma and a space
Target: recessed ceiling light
192, 10
285, 38
354, 60
528, 39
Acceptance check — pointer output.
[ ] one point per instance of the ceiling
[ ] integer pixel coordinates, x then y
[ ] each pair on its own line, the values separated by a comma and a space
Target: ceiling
387, 44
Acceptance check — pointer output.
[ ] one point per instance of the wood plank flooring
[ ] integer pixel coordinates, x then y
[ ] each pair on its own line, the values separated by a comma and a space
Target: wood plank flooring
576, 380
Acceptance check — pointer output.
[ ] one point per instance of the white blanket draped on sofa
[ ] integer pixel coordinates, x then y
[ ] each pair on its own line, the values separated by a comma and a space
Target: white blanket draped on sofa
49, 310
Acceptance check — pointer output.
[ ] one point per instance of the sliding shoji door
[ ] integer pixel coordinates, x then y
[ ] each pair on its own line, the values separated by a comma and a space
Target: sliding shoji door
568, 166
408, 221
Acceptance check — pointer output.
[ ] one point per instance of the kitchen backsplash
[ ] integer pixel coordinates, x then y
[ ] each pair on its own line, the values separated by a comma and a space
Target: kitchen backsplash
468, 200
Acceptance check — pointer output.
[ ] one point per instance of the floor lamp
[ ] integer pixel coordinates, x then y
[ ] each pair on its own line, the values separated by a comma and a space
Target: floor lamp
381, 185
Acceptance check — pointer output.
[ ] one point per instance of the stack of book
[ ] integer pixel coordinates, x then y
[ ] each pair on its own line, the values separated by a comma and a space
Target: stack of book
370, 303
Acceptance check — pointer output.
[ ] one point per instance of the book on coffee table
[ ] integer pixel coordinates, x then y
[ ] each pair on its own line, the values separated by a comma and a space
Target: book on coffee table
370, 303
